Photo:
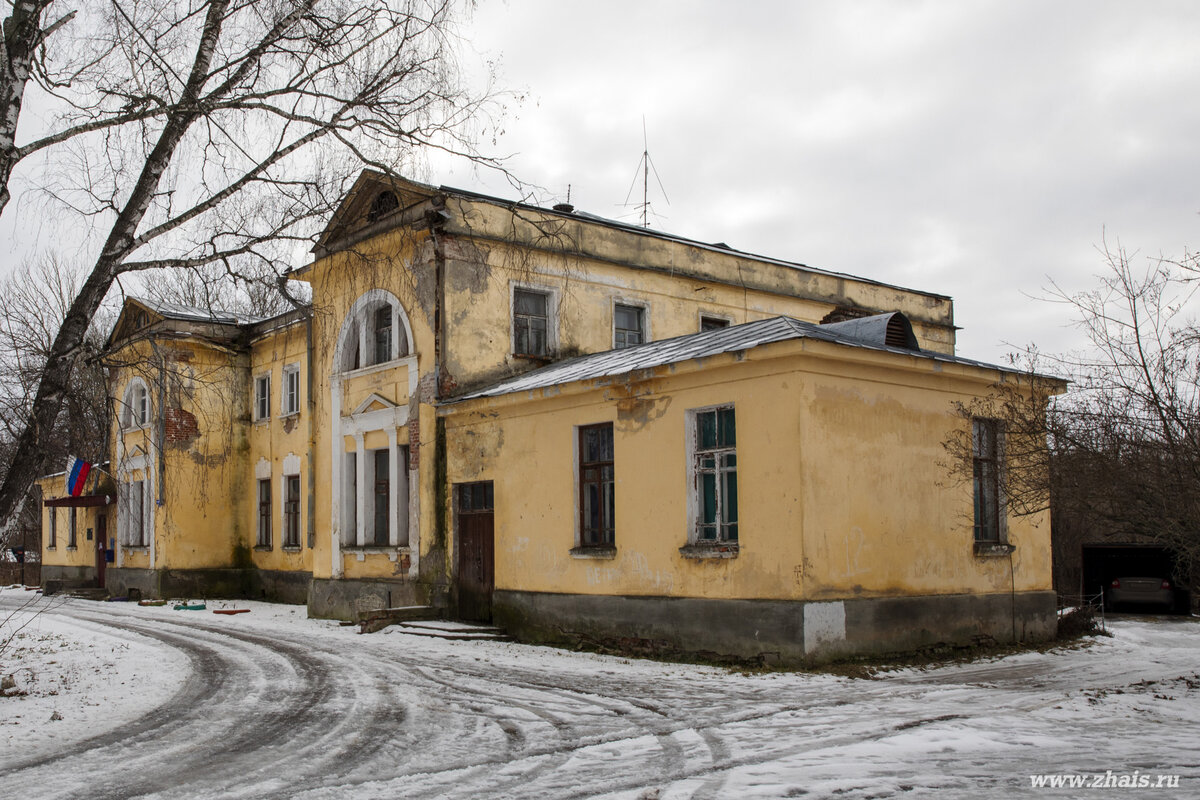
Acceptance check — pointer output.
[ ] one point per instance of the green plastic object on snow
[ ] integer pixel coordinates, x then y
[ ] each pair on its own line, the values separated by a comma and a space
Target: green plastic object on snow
190, 607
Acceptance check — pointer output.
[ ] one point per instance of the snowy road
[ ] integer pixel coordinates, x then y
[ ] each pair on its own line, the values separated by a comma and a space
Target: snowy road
270, 704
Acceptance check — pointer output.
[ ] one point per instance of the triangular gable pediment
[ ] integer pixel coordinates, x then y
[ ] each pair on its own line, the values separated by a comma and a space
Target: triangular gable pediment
374, 402
135, 316
352, 213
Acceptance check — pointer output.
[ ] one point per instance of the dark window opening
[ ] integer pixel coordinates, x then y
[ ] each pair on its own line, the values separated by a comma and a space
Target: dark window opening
381, 205
712, 324
382, 498
597, 505
985, 451
264, 513
291, 512
475, 497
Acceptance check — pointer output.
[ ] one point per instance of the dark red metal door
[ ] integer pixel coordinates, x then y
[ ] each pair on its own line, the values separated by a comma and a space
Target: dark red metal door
476, 550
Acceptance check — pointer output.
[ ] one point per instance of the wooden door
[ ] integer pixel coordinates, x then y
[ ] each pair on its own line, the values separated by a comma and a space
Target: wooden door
476, 550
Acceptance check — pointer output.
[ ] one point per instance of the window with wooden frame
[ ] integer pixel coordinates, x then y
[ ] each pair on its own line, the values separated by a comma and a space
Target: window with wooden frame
291, 511
72, 541
52, 529
531, 323
262, 396
597, 502
264, 513
476, 498
138, 527
136, 405
291, 390
714, 463
628, 326
986, 451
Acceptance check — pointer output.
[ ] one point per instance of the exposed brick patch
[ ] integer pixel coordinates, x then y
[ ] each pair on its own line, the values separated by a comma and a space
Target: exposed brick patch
414, 443
179, 426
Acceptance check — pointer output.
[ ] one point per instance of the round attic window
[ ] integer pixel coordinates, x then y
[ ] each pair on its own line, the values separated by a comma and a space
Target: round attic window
383, 203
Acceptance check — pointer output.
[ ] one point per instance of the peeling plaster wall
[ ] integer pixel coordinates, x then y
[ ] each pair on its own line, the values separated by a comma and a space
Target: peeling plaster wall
841, 488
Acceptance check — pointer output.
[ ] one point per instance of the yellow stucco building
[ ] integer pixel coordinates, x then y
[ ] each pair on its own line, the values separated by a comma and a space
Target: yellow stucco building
576, 427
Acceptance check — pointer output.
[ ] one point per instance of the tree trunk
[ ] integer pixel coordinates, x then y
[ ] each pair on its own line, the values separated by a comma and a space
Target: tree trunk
27, 463
22, 32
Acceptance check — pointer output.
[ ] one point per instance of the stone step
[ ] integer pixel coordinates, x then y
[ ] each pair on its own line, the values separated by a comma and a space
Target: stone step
380, 618
454, 631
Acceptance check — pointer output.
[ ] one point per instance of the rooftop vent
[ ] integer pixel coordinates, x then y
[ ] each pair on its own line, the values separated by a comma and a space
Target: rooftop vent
885, 330
565, 208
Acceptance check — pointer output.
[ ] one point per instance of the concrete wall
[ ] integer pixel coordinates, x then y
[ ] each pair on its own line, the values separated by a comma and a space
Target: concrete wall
346, 599
789, 632
57, 578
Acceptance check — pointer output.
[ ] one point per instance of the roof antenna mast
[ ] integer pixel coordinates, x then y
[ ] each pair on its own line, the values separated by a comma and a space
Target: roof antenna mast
645, 166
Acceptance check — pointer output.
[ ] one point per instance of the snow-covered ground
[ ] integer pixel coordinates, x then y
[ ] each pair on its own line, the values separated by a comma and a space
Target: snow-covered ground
181, 704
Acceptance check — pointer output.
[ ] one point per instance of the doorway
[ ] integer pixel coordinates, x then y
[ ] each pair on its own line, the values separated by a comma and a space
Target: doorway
474, 522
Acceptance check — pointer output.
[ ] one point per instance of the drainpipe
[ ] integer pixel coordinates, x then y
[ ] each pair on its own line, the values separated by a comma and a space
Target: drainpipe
160, 435
312, 405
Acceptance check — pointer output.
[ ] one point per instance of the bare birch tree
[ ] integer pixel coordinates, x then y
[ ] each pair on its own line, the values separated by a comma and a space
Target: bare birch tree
223, 132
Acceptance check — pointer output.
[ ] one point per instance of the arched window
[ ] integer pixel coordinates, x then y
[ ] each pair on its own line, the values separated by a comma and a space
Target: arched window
135, 405
376, 331
383, 203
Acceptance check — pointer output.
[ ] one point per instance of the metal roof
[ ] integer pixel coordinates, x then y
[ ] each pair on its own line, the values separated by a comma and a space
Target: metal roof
866, 333
194, 314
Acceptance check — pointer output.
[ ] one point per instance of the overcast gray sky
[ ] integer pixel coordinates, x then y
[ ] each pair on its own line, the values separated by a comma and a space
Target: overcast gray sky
975, 149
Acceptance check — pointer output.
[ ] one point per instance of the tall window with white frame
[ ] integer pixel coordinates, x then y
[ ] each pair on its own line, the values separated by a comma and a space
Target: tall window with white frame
986, 447
262, 397
531, 323
136, 413
291, 390
264, 512
136, 506
597, 495
628, 326
715, 469
291, 511
382, 330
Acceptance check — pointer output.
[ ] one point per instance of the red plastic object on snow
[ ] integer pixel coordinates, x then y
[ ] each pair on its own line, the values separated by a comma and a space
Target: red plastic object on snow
231, 611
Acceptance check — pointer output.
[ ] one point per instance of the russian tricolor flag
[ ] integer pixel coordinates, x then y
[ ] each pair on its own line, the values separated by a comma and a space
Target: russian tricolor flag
77, 472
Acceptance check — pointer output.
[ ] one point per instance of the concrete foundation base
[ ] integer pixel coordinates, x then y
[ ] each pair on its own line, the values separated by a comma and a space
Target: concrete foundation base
346, 599
777, 631
56, 579
253, 584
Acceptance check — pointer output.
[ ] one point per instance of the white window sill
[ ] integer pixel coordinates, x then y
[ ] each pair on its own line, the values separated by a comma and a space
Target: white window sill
402, 361
393, 552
